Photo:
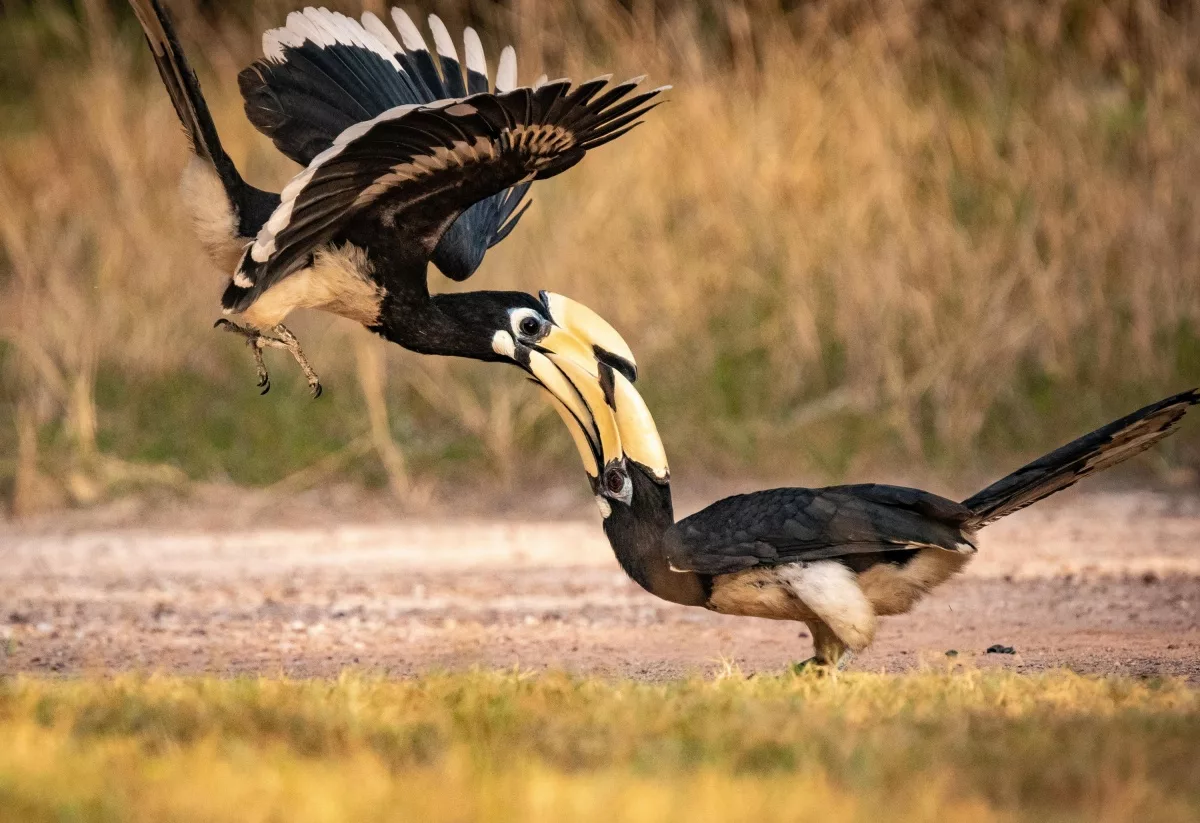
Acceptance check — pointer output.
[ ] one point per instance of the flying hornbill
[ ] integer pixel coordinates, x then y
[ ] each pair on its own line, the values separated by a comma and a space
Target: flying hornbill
408, 159
833, 558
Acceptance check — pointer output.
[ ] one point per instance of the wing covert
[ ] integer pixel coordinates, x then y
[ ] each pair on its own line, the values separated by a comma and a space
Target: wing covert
792, 524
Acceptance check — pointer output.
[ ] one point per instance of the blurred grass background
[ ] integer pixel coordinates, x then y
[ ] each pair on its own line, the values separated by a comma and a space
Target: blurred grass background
861, 237
519, 746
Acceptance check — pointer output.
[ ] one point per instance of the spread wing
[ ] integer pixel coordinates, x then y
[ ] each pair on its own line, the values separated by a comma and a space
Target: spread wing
393, 185
789, 525
323, 73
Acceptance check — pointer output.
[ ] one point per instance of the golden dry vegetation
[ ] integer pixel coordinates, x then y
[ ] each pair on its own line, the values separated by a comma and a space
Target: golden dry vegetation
860, 236
931, 746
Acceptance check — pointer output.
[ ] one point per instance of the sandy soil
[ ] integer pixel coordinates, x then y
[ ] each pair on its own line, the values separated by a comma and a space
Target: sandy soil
1106, 583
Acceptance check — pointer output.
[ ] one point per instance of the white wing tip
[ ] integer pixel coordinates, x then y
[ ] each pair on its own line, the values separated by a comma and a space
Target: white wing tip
274, 41
262, 251
441, 38
375, 27
410, 35
506, 72
325, 28
476, 60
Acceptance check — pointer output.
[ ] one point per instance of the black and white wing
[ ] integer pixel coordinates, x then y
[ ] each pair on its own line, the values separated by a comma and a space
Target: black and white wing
793, 524
393, 185
323, 73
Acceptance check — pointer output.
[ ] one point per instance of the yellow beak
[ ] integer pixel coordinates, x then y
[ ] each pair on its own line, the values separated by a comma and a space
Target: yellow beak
588, 370
635, 426
607, 418
600, 342
579, 399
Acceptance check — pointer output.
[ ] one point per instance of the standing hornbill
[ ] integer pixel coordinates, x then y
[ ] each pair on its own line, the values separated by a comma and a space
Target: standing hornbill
835, 558
408, 159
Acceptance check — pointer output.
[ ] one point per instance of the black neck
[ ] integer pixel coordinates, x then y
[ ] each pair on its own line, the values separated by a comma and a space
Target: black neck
637, 536
455, 325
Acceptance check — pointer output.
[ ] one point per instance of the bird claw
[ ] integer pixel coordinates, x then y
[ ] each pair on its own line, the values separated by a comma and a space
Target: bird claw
257, 341
820, 668
806, 666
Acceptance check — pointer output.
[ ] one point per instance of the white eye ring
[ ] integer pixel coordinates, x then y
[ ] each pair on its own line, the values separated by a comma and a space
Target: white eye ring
521, 317
625, 495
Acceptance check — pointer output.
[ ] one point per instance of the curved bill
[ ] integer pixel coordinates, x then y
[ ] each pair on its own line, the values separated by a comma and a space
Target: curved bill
599, 341
559, 342
607, 418
635, 425
604, 420
580, 400
588, 370
579, 437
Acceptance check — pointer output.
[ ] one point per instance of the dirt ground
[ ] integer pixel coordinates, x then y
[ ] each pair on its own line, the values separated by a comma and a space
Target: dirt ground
1101, 582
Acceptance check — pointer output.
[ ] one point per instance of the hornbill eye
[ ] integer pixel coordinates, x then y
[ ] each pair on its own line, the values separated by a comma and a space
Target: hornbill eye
614, 481
530, 326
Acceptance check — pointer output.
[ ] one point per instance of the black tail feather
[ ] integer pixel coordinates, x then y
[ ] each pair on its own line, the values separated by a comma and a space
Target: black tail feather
251, 206
1065, 466
184, 88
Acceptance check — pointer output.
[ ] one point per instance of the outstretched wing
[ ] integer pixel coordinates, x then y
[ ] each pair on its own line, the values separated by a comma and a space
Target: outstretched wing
323, 73
789, 525
394, 184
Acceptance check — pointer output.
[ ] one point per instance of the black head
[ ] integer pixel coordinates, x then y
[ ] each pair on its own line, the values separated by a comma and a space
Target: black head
634, 500
496, 326
487, 325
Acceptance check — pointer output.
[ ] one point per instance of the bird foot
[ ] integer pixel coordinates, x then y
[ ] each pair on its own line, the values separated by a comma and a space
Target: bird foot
820, 666
284, 339
811, 665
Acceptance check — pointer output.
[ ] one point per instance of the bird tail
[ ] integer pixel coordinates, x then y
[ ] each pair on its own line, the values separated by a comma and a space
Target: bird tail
184, 89
1095, 452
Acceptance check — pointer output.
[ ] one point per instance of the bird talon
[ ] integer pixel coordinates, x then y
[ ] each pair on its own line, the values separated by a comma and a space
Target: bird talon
317, 391
266, 387
813, 666
804, 666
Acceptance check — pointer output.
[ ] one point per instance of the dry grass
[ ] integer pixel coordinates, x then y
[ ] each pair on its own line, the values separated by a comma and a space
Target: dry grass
860, 236
498, 747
